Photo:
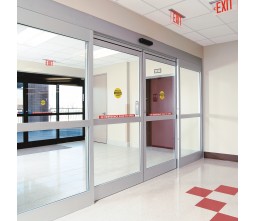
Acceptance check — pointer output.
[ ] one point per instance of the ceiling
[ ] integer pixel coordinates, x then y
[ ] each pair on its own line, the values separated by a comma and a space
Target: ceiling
201, 23
36, 45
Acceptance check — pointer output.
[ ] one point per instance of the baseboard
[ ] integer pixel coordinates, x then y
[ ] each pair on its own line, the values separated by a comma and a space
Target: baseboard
221, 156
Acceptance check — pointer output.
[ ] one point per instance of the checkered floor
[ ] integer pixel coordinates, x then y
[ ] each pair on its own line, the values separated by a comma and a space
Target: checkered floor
216, 200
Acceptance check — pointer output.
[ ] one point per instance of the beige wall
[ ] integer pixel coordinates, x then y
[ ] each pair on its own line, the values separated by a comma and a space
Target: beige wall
123, 17
166, 69
36, 67
118, 76
221, 98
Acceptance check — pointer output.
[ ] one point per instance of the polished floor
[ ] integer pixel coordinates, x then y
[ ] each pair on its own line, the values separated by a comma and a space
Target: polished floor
50, 173
201, 191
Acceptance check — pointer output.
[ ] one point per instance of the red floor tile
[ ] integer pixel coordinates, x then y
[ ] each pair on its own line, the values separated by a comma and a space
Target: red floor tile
211, 204
223, 217
227, 189
199, 191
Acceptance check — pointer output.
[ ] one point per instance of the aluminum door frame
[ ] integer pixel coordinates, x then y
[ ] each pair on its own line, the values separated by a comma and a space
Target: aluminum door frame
167, 166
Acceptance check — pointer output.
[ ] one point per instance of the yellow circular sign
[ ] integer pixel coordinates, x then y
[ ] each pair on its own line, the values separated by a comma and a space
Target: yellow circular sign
117, 93
43, 102
162, 95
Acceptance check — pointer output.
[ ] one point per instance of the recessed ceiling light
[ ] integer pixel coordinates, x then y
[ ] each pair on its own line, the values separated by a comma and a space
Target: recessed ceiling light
34, 37
104, 52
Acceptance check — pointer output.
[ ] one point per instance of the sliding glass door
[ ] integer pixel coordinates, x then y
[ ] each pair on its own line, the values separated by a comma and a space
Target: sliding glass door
117, 118
160, 119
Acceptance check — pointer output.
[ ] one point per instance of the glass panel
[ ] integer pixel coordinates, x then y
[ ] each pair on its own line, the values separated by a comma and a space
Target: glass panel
50, 173
71, 117
19, 119
190, 136
46, 118
19, 98
42, 135
160, 145
160, 94
190, 91
116, 84
70, 132
118, 155
47, 62
41, 100
20, 137
70, 99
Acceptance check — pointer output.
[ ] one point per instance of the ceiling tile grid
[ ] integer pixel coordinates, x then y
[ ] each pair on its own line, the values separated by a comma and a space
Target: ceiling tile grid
201, 23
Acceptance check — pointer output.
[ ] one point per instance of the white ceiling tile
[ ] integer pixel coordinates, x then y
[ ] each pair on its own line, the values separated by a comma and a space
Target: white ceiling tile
179, 29
234, 26
194, 36
203, 21
162, 3
137, 6
225, 38
205, 42
216, 31
189, 9
207, 4
228, 17
159, 17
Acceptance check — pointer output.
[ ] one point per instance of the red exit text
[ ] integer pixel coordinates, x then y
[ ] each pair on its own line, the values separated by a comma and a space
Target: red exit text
223, 6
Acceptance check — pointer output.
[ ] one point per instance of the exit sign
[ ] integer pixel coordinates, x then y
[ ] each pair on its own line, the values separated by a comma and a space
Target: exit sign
49, 62
222, 6
176, 17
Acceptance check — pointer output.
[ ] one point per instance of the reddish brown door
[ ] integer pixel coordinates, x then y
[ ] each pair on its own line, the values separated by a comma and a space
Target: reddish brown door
160, 99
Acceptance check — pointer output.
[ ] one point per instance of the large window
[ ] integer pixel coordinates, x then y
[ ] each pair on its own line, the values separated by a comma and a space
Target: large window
49, 98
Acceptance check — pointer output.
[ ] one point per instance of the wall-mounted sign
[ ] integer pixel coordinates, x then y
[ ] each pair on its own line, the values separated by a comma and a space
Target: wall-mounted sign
43, 102
222, 5
117, 93
157, 70
162, 95
176, 17
49, 62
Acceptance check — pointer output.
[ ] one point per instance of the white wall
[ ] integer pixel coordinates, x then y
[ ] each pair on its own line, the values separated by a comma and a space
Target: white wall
123, 17
221, 98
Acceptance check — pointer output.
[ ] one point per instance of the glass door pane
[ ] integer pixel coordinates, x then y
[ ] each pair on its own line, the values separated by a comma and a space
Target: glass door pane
116, 97
160, 145
160, 111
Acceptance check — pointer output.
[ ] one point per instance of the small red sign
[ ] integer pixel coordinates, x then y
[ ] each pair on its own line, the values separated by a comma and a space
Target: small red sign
116, 116
176, 17
49, 62
223, 6
160, 114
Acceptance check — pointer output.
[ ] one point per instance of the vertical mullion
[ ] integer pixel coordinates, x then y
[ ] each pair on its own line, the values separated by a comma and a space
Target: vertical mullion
25, 109
57, 109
